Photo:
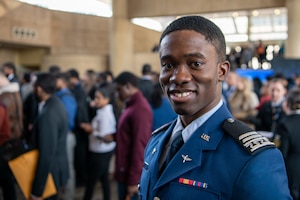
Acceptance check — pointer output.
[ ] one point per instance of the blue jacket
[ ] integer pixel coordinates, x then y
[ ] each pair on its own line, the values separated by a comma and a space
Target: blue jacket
215, 164
70, 105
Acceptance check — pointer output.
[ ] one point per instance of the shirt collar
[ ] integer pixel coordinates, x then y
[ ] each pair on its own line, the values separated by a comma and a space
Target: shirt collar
194, 125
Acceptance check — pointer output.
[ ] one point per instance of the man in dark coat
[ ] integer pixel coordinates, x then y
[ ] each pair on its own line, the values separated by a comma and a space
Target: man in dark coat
289, 137
49, 135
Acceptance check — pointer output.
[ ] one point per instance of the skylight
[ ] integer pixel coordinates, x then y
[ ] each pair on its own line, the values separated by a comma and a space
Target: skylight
89, 7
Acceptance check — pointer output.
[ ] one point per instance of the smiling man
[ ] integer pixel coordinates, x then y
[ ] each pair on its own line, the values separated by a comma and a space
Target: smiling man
219, 157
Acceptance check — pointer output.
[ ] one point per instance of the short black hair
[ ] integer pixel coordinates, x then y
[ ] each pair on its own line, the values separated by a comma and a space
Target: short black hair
104, 91
27, 77
73, 73
63, 76
146, 69
54, 69
47, 82
207, 28
127, 77
11, 66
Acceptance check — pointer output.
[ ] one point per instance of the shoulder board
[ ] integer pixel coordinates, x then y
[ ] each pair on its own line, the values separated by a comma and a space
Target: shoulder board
251, 140
162, 128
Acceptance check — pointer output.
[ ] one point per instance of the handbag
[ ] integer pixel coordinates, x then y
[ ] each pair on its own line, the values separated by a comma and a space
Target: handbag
23, 168
12, 148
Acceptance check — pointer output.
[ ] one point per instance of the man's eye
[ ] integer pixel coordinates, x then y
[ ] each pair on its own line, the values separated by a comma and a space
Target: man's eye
167, 65
197, 64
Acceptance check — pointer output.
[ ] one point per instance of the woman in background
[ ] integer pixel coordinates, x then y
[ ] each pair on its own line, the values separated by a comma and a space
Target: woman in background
101, 144
243, 101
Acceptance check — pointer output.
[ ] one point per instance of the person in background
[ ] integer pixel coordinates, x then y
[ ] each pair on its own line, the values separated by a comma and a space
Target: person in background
264, 94
271, 112
70, 105
205, 153
54, 70
81, 148
4, 124
243, 101
9, 69
101, 144
30, 110
89, 82
146, 82
289, 135
260, 52
161, 108
26, 85
49, 136
7, 182
10, 96
133, 132
229, 86
231, 82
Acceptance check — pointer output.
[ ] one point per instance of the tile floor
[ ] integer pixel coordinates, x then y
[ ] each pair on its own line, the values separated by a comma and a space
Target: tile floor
80, 192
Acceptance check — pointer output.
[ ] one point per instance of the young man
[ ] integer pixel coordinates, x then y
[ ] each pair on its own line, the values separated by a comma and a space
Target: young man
49, 136
221, 158
133, 132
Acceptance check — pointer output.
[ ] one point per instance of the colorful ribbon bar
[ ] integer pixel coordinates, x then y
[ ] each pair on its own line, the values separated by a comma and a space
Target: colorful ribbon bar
192, 182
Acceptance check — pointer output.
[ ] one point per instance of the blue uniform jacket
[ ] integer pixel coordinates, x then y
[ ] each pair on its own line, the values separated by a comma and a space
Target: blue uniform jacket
213, 165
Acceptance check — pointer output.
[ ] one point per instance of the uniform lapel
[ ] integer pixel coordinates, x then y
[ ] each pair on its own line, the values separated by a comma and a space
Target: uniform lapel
185, 160
207, 137
157, 149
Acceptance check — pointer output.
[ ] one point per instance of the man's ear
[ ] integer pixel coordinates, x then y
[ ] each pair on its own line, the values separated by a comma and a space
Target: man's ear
39, 90
223, 69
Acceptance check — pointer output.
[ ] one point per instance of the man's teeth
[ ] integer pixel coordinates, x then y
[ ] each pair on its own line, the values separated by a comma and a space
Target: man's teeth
183, 94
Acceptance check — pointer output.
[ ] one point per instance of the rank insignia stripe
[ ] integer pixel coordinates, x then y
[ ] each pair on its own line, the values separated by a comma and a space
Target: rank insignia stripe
251, 140
194, 183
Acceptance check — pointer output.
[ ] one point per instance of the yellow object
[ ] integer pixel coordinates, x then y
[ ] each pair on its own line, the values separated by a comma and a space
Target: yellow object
23, 167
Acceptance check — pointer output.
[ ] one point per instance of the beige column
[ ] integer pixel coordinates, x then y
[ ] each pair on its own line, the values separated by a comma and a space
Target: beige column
292, 48
121, 38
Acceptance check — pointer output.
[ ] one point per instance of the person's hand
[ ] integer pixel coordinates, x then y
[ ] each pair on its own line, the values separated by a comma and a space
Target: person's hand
86, 127
32, 197
108, 138
132, 190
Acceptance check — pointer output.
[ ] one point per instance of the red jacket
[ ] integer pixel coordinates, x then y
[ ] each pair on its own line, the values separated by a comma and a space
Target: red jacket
4, 124
133, 132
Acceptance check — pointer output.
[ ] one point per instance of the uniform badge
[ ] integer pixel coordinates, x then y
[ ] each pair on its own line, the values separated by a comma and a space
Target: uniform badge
186, 158
153, 151
205, 137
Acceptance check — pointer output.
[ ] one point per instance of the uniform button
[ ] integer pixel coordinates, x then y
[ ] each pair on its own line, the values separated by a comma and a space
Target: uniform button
230, 120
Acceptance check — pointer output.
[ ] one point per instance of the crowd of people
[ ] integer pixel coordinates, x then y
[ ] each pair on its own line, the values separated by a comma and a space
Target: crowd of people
78, 123
91, 114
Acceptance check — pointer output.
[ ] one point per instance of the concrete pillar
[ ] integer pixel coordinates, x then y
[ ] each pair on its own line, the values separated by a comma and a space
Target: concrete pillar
292, 48
121, 41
